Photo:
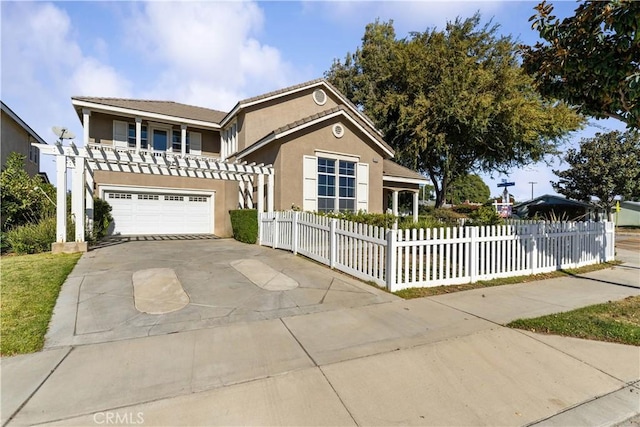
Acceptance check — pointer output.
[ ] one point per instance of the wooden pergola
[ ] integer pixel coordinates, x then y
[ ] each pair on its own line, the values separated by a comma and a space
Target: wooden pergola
85, 160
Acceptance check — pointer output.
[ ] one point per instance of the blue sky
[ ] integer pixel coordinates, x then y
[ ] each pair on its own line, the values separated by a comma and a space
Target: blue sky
212, 54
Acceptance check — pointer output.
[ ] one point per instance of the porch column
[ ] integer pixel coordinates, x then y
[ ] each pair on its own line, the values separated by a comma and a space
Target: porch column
138, 134
260, 201
61, 198
394, 203
270, 185
183, 140
416, 202
77, 197
86, 113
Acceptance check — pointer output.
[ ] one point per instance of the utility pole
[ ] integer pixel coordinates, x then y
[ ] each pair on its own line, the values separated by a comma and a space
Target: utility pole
532, 184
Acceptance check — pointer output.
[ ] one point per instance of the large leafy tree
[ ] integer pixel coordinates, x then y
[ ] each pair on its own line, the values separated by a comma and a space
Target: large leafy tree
604, 167
24, 199
452, 101
469, 188
590, 60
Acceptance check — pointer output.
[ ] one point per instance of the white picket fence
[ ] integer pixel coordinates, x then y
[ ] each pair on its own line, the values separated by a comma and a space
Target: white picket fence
400, 259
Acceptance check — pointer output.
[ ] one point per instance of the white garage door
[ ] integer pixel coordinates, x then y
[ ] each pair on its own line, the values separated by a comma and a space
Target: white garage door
159, 213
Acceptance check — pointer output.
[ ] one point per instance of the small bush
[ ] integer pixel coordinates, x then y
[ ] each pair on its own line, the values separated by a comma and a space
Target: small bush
36, 238
101, 217
377, 220
424, 221
465, 209
486, 215
244, 223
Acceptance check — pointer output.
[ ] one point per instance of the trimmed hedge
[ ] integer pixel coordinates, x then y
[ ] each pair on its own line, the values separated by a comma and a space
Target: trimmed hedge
244, 223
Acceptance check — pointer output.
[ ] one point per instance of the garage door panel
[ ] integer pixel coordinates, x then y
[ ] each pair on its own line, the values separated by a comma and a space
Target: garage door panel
160, 213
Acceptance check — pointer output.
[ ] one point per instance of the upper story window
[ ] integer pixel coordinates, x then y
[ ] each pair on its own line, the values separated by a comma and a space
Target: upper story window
34, 154
144, 141
230, 140
176, 141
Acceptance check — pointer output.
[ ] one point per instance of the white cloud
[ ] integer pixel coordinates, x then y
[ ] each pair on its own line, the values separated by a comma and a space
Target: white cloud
208, 53
43, 66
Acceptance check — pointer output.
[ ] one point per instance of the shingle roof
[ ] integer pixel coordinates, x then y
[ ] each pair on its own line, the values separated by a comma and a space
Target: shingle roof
279, 91
392, 169
325, 113
168, 108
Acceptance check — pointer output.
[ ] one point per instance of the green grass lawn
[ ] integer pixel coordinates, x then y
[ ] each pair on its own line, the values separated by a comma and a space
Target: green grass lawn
30, 287
617, 321
410, 293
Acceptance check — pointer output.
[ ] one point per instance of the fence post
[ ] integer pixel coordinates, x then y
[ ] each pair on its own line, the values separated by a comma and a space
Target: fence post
533, 262
275, 230
391, 260
608, 243
473, 253
260, 228
332, 242
294, 233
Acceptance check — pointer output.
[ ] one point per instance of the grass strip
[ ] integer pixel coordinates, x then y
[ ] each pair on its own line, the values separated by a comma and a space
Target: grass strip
30, 287
411, 293
617, 321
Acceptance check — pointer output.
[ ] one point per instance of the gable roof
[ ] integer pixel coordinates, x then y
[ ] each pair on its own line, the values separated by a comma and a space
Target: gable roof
298, 125
392, 171
8, 111
553, 200
294, 89
161, 109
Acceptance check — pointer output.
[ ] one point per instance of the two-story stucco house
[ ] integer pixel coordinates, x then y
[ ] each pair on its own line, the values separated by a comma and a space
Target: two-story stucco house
16, 137
325, 155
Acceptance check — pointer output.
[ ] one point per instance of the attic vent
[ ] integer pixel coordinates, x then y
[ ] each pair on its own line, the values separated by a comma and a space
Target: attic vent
319, 96
338, 130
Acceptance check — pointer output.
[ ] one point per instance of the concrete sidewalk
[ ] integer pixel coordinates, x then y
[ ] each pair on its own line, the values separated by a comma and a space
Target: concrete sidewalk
444, 360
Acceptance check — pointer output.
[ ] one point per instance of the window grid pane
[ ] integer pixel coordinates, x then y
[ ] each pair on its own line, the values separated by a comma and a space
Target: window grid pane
334, 181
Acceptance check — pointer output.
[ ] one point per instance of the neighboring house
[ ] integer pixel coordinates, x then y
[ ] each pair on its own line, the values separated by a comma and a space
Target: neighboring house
16, 137
629, 214
557, 207
326, 156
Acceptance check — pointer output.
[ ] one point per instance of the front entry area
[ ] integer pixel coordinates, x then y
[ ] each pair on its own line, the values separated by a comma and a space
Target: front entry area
162, 212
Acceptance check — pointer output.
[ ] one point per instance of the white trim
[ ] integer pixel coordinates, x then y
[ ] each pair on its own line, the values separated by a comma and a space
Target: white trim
266, 141
240, 106
159, 190
405, 180
324, 95
140, 113
336, 133
337, 156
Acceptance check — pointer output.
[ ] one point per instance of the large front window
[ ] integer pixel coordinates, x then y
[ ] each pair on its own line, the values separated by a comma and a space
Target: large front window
336, 185
160, 139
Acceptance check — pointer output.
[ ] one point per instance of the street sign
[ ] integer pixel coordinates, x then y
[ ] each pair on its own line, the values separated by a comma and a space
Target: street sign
506, 184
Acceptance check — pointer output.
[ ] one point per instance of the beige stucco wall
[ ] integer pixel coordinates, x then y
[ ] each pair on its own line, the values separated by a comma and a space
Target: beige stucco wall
258, 121
101, 132
226, 192
14, 138
286, 155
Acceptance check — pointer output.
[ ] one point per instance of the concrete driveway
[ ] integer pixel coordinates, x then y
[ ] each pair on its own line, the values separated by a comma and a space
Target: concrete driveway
97, 302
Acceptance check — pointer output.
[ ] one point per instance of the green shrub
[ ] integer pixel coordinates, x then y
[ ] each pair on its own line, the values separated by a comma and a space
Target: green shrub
377, 220
38, 237
465, 209
486, 215
244, 223
101, 217
424, 221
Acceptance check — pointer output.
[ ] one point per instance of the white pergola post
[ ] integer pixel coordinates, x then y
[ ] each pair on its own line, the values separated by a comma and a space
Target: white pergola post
138, 134
260, 201
88, 174
416, 203
183, 140
270, 191
77, 197
394, 203
61, 198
